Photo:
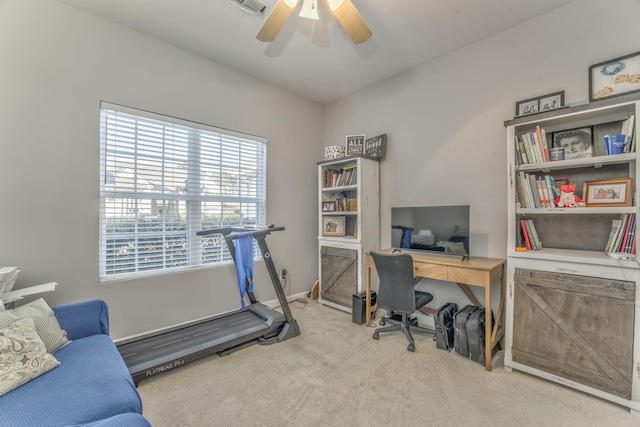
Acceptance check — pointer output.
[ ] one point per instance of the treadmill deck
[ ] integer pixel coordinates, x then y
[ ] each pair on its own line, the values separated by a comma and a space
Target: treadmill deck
158, 352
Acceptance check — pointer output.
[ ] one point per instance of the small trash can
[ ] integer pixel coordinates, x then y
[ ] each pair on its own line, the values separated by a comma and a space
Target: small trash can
358, 310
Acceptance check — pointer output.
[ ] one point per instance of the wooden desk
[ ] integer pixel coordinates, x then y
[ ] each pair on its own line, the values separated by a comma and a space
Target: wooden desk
475, 271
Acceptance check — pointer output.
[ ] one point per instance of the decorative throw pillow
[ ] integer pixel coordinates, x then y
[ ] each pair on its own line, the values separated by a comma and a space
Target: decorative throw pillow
44, 319
22, 355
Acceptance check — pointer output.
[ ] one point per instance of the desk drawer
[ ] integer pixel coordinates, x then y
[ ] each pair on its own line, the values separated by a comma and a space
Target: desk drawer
469, 277
432, 271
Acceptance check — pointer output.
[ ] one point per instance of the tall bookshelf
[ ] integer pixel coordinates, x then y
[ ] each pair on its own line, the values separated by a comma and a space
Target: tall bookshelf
348, 226
573, 312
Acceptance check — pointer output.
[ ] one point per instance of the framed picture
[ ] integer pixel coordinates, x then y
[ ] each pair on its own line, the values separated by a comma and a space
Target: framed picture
355, 145
552, 101
328, 206
614, 77
577, 143
333, 225
609, 192
539, 104
528, 106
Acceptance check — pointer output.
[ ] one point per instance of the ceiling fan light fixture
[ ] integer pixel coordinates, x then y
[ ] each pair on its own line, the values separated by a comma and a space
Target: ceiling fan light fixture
309, 9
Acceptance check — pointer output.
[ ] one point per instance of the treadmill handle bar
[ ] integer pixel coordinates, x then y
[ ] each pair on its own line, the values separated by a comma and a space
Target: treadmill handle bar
232, 233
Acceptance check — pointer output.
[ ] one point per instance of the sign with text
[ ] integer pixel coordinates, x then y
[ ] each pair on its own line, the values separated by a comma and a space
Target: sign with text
355, 144
375, 147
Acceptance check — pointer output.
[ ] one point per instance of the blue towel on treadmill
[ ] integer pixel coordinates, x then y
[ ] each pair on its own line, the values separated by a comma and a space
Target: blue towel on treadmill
244, 264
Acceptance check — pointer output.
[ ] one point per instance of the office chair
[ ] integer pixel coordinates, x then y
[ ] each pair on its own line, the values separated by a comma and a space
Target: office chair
397, 295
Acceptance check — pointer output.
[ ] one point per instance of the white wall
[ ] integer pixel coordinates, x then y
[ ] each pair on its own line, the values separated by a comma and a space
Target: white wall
444, 119
57, 64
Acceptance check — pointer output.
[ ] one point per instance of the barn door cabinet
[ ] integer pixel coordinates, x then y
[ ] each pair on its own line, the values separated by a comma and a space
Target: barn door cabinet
573, 312
348, 226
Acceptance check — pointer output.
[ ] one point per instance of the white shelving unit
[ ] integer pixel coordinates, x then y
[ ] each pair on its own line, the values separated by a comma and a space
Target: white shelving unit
573, 313
342, 258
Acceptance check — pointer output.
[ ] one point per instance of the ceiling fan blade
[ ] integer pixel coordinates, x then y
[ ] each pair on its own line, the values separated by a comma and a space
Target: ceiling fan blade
274, 21
352, 22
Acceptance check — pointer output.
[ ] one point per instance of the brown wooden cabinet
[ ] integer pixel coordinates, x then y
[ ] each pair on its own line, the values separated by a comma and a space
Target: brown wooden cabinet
339, 272
576, 327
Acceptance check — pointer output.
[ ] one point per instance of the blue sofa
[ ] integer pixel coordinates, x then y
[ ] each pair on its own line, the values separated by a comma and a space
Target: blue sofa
91, 387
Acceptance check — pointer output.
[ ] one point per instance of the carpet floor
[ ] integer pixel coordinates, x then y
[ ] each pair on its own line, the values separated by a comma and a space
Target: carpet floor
335, 374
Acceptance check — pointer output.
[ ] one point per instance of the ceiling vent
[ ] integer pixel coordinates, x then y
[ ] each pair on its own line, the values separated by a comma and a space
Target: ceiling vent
253, 7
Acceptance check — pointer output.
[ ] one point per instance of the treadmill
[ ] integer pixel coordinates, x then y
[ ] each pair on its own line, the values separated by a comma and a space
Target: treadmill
163, 350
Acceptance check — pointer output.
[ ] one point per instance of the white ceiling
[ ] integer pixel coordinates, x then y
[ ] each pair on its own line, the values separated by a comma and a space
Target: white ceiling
316, 59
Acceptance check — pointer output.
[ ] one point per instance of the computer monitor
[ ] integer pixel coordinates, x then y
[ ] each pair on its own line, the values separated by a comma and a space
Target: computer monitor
443, 229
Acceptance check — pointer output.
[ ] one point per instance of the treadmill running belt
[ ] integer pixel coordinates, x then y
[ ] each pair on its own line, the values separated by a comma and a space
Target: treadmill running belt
219, 332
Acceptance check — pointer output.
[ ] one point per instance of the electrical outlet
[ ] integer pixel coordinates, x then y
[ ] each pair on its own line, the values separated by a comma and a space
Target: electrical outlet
283, 274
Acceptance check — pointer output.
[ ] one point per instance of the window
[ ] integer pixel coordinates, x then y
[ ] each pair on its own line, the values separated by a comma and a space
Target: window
163, 179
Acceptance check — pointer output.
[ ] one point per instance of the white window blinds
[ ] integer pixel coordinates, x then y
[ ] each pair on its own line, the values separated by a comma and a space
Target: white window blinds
163, 179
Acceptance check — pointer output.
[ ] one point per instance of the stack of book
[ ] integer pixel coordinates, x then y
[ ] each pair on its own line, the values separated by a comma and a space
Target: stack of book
530, 235
342, 177
532, 147
536, 191
344, 204
622, 239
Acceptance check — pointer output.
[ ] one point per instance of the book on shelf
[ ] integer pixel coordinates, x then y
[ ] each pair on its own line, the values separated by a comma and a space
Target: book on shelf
525, 234
623, 241
532, 147
522, 158
622, 236
527, 147
542, 144
550, 188
536, 191
627, 130
543, 135
340, 177
535, 243
615, 229
631, 237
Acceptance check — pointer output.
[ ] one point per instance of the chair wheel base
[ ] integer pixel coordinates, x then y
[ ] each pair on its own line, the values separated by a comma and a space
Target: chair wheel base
376, 336
411, 348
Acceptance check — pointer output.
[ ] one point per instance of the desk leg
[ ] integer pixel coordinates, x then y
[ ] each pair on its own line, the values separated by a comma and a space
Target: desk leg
469, 295
498, 330
367, 305
488, 347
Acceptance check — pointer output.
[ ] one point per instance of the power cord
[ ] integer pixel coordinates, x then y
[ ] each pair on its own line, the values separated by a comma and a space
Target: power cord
298, 302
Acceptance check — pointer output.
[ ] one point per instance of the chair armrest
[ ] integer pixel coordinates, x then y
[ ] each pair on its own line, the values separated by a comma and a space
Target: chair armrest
83, 319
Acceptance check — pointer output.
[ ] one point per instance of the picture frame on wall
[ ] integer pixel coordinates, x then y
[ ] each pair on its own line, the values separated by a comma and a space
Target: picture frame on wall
333, 225
577, 143
610, 192
615, 77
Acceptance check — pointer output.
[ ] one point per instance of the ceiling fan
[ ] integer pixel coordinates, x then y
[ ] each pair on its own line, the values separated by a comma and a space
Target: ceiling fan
345, 12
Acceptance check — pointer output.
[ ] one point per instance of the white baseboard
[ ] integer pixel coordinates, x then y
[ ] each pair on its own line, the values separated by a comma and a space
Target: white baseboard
275, 303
